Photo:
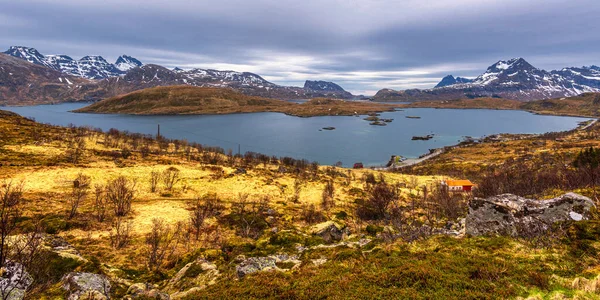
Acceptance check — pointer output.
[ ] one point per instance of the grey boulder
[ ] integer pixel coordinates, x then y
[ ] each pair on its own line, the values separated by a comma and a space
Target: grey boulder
515, 216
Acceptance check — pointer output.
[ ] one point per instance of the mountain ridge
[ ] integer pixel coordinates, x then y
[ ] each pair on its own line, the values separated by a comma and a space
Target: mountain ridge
512, 79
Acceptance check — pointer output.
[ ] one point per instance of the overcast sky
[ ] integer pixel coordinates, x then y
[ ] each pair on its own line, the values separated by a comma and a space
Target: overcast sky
362, 45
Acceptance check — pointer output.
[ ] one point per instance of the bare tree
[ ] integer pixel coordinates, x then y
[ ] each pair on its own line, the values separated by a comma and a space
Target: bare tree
11, 197
22, 259
202, 209
327, 196
76, 147
79, 191
120, 235
100, 202
161, 244
170, 177
155, 177
249, 216
120, 192
376, 206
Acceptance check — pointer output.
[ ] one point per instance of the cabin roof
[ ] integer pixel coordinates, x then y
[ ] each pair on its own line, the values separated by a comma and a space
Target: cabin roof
459, 183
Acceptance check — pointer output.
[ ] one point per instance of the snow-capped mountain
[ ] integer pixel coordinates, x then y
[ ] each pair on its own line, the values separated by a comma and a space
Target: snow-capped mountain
512, 79
90, 67
129, 74
125, 63
29, 54
22, 82
450, 80
243, 78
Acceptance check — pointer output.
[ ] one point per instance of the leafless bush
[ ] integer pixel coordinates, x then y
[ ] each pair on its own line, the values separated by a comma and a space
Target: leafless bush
155, 178
202, 209
11, 197
406, 226
161, 244
311, 215
249, 217
376, 206
120, 235
120, 192
21, 261
170, 177
75, 149
79, 192
100, 202
328, 195
298, 185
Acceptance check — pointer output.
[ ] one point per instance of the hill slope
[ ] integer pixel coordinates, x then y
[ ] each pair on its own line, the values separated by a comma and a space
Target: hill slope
185, 99
22, 82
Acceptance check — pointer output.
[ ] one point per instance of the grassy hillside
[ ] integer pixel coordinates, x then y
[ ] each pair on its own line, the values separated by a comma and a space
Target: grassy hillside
183, 100
199, 100
587, 105
268, 205
478, 103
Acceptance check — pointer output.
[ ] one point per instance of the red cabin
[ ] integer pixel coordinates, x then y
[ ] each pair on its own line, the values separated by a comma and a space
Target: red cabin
458, 185
358, 165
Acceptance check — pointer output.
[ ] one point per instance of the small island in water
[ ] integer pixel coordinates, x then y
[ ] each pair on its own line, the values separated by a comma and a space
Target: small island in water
189, 100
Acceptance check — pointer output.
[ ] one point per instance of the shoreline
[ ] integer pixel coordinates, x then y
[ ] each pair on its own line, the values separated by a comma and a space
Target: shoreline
407, 163
540, 113
438, 151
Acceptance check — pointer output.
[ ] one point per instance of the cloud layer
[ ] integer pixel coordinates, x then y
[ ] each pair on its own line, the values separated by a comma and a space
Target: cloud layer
363, 45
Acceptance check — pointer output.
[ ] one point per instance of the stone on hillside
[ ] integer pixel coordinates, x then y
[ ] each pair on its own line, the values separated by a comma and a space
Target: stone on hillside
512, 215
145, 291
86, 286
14, 281
329, 231
268, 263
193, 277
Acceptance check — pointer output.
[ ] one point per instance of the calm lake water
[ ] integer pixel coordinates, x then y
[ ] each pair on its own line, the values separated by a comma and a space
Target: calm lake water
353, 140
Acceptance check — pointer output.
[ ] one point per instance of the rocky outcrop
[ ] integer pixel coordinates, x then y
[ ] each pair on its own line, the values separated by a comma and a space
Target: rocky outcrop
14, 281
279, 262
86, 286
515, 216
193, 277
329, 231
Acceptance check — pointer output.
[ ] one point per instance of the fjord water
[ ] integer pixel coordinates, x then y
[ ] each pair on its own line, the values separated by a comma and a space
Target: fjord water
353, 140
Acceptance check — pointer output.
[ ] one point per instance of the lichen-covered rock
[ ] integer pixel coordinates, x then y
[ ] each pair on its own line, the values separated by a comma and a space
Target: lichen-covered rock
268, 263
512, 215
193, 277
14, 281
61, 247
86, 286
330, 231
145, 291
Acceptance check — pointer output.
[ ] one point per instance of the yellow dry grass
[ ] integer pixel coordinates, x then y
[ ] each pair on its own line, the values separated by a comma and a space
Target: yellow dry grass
195, 182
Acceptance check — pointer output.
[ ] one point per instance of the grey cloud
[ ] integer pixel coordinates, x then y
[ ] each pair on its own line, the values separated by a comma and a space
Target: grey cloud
363, 45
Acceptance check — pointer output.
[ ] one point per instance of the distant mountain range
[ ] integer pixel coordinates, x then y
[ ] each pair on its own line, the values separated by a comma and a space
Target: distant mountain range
60, 78
512, 79
93, 78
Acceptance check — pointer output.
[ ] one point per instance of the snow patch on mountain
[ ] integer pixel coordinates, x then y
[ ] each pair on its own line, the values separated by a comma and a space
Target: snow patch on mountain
518, 79
125, 63
90, 67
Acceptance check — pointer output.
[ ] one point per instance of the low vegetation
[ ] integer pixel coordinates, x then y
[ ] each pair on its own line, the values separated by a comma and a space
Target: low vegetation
191, 100
139, 208
585, 105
